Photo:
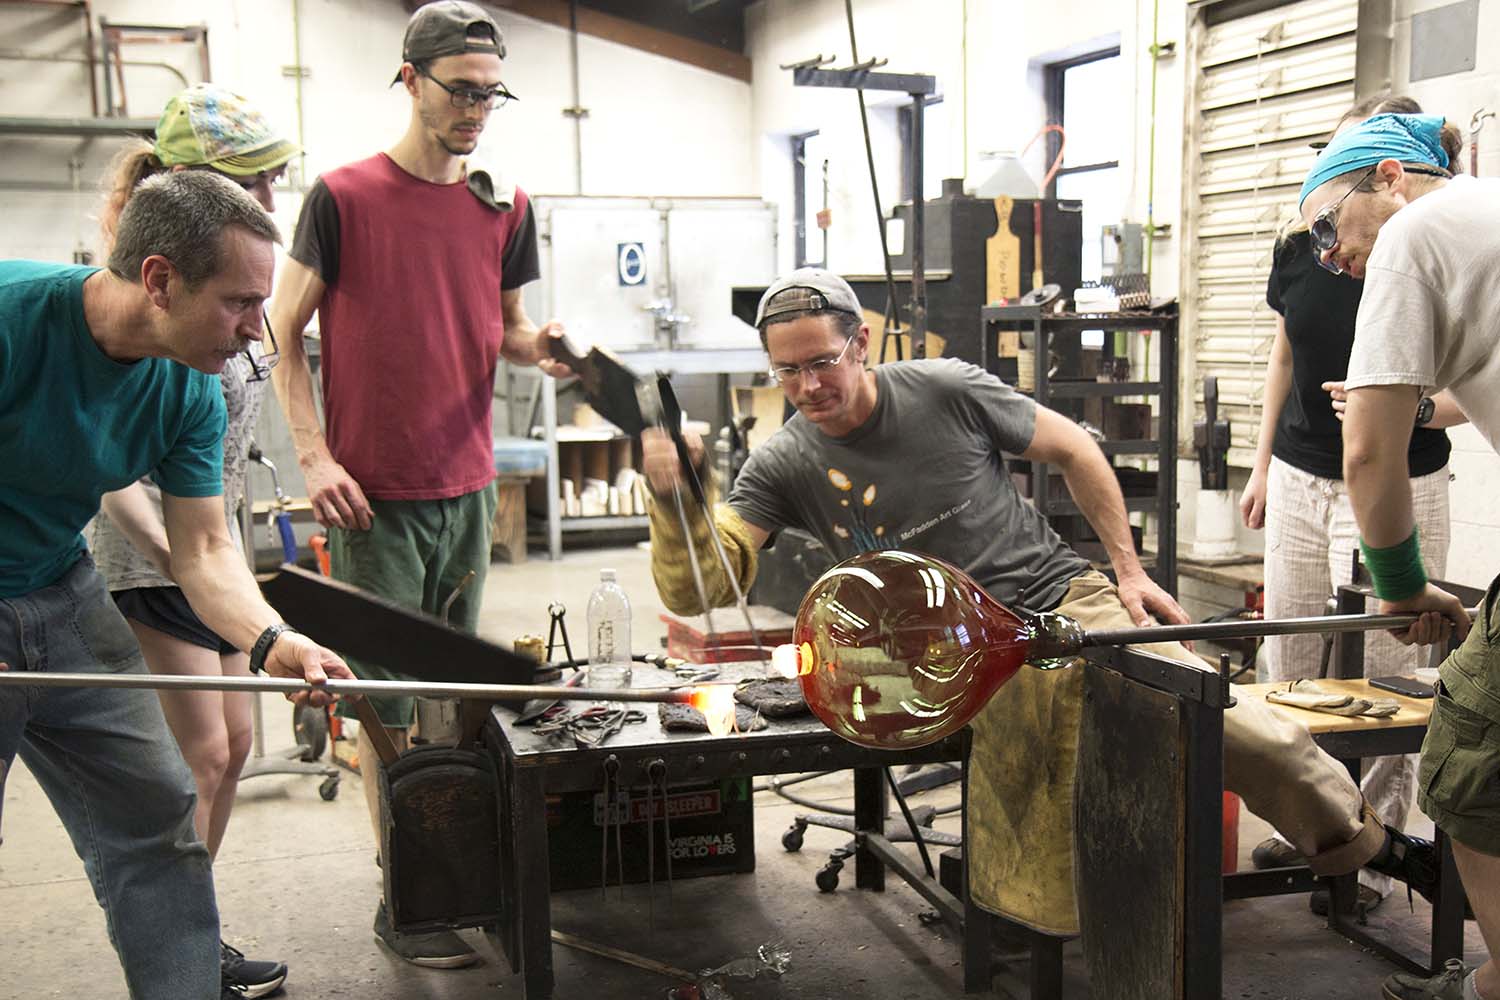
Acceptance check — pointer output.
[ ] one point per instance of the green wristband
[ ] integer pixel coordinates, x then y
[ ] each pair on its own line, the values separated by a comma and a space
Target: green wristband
1396, 572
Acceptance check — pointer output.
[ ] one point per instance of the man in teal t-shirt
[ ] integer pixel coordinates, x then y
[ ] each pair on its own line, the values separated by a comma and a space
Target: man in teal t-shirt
105, 376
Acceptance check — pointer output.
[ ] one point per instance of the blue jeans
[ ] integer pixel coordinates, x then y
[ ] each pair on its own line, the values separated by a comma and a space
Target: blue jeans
114, 774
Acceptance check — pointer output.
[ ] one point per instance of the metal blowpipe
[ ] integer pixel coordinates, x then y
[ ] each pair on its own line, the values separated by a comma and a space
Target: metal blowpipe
289, 685
1058, 635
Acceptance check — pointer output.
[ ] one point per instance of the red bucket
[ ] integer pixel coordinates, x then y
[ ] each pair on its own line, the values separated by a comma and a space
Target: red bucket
1231, 857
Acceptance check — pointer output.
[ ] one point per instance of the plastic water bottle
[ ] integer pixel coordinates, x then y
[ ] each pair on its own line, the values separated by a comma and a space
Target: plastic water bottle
609, 634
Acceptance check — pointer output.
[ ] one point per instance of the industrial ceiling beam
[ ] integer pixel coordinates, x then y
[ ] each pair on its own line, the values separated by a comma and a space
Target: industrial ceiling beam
638, 36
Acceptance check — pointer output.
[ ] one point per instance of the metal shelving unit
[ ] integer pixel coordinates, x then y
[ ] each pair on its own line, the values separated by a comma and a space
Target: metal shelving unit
1045, 330
684, 361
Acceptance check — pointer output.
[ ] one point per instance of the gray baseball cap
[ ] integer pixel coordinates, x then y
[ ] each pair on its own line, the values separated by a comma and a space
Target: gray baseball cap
807, 289
444, 29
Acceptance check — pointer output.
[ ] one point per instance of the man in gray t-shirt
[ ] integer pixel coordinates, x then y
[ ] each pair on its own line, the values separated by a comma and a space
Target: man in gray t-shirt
911, 455
924, 472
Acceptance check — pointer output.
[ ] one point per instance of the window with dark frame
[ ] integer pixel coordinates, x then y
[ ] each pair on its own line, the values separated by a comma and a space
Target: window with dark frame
932, 130
809, 175
1079, 93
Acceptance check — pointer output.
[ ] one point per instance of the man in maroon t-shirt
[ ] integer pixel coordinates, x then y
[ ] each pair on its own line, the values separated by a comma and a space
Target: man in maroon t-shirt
414, 262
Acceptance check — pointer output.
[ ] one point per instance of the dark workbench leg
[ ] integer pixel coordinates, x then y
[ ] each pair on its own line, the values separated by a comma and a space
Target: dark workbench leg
1203, 889
1045, 972
869, 817
1448, 908
978, 970
979, 973
528, 817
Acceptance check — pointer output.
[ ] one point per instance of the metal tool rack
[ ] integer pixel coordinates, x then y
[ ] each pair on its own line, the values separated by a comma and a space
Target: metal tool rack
1044, 326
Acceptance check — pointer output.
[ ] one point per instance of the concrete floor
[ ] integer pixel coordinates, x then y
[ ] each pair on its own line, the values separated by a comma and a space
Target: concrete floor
296, 881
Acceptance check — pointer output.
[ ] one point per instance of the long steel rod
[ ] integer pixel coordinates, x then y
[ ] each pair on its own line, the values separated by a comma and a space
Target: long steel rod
1250, 628
289, 685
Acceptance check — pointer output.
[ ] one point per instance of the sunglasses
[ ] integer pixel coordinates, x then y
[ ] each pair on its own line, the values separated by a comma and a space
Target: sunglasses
260, 368
1324, 230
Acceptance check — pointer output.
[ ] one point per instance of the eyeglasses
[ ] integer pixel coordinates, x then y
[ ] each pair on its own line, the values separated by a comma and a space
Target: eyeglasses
821, 368
260, 368
466, 97
1324, 229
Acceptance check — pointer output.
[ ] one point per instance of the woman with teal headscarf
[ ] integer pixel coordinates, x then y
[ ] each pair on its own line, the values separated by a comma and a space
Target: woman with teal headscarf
1296, 493
1380, 203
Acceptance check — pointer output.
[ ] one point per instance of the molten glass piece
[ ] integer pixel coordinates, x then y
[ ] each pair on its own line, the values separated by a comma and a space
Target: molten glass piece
900, 650
716, 702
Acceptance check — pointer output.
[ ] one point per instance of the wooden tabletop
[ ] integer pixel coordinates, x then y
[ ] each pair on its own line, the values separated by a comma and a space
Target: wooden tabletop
1414, 711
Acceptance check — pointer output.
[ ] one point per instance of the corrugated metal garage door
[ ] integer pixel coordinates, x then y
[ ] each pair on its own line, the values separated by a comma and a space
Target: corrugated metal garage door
1261, 87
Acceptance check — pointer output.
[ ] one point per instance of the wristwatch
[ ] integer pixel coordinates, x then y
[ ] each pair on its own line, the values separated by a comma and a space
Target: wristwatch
1425, 409
262, 647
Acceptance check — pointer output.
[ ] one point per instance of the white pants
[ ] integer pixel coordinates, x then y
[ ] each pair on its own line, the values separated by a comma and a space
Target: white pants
1311, 537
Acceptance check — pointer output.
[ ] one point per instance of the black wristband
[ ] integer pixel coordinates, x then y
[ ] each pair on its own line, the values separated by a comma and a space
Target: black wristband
1426, 410
262, 647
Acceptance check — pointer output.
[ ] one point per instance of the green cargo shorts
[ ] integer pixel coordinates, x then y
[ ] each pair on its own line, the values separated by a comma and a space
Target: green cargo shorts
1459, 777
416, 553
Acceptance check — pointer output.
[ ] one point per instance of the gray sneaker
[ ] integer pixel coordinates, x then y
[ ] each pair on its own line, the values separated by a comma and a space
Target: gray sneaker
439, 950
1446, 985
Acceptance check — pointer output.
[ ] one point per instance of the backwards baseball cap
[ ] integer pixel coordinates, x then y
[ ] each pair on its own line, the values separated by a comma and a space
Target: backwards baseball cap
450, 28
807, 289
207, 125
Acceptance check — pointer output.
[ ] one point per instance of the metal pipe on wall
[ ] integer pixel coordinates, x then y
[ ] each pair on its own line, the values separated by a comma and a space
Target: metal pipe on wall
300, 72
1151, 143
20, 55
577, 112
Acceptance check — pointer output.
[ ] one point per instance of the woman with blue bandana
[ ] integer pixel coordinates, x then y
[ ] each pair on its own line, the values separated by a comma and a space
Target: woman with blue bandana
1380, 203
1296, 493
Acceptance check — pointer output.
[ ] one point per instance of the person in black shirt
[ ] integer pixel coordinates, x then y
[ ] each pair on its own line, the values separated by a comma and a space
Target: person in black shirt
1296, 492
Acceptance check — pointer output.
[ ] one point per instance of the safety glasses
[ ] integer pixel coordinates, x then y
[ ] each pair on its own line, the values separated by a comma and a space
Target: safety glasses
1324, 229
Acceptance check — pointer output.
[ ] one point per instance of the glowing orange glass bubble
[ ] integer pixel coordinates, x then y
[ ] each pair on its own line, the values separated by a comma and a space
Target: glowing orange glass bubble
900, 650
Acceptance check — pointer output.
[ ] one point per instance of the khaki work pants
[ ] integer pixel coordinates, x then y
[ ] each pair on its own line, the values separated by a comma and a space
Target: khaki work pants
1021, 781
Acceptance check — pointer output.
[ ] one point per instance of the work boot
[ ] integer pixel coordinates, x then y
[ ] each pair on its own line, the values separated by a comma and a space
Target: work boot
252, 979
1365, 902
1275, 853
439, 950
1446, 985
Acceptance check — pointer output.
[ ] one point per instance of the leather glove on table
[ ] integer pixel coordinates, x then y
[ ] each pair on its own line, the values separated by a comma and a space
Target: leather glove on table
1307, 695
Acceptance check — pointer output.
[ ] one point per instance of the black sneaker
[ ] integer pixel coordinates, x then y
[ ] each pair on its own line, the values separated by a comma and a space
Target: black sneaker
1408, 859
227, 992
251, 978
440, 950
1275, 853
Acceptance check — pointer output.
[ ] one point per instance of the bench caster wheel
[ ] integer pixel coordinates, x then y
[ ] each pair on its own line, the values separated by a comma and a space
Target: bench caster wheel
828, 876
